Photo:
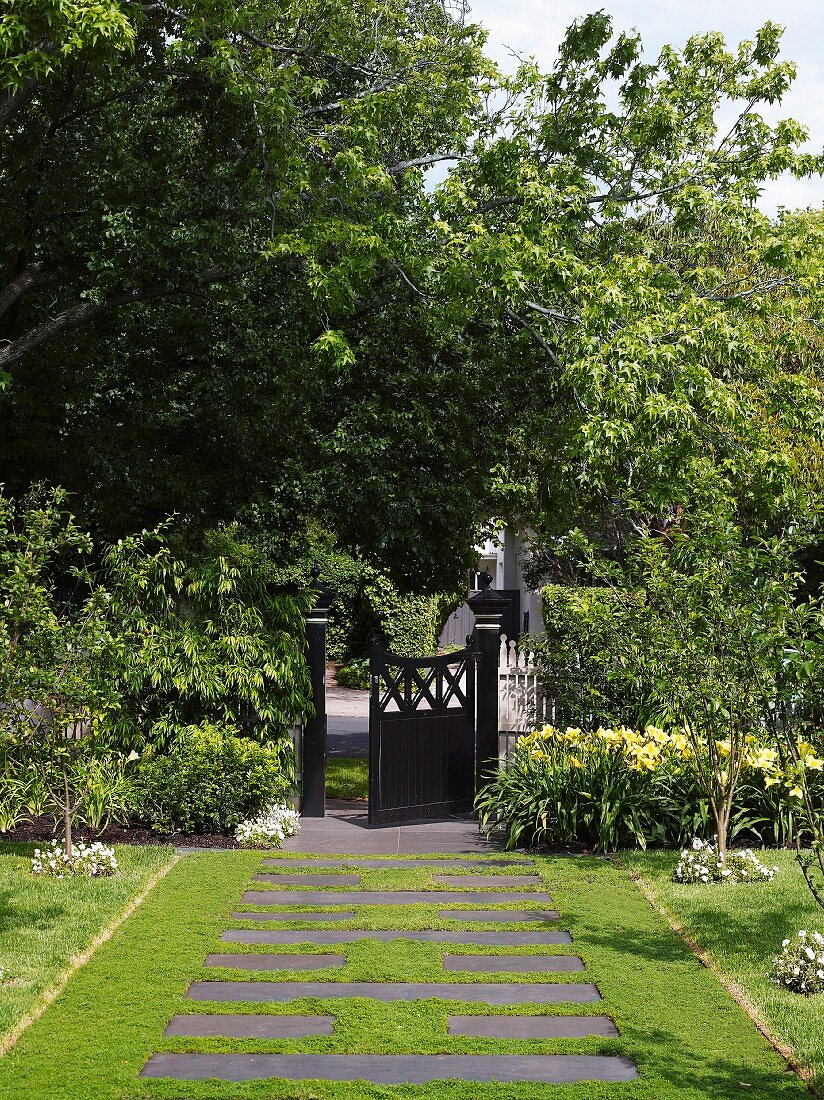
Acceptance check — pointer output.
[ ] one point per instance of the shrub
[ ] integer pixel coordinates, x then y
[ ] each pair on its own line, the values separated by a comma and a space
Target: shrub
209, 781
91, 860
355, 674
610, 789
618, 787
700, 863
800, 965
270, 828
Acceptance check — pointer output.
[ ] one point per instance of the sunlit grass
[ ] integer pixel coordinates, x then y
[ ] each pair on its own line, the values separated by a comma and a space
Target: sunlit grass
741, 927
46, 922
347, 777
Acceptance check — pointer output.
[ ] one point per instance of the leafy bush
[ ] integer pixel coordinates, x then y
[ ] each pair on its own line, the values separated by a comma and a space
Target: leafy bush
355, 674
211, 642
367, 603
700, 864
270, 828
618, 787
569, 657
208, 782
800, 965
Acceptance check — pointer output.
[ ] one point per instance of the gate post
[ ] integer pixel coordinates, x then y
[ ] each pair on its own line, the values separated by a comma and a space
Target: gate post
488, 608
314, 730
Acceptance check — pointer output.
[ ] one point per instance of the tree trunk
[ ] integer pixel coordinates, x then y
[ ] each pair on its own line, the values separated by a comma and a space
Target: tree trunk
721, 831
67, 817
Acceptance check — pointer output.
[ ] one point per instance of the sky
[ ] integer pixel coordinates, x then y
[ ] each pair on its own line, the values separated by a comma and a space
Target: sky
535, 27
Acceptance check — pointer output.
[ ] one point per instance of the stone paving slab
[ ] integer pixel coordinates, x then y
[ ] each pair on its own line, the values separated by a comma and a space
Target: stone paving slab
392, 1069
532, 1027
491, 882
269, 918
349, 831
377, 864
341, 935
512, 964
473, 992
310, 880
275, 962
387, 897
221, 1026
500, 916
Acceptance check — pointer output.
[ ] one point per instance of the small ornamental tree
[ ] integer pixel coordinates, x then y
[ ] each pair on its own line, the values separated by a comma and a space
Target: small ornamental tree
705, 622
58, 669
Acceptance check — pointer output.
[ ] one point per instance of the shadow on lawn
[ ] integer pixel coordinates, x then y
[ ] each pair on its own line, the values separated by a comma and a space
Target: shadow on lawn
689, 1074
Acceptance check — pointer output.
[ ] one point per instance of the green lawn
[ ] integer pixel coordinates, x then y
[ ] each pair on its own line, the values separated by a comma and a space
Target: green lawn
688, 1038
347, 777
741, 927
45, 923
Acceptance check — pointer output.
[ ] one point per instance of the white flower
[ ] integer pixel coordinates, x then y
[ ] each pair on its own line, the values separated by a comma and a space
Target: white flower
270, 828
697, 844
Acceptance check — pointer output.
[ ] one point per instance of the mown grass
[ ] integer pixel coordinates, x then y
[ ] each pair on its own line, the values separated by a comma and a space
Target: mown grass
347, 777
686, 1035
741, 927
46, 923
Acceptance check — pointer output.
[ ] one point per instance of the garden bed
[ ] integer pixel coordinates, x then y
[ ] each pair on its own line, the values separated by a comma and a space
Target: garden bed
136, 835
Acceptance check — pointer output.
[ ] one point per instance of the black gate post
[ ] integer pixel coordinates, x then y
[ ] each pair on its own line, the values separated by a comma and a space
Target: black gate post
314, 730
488, 608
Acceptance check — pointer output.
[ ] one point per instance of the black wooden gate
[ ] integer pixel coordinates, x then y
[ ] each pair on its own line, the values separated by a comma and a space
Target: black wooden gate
421, 736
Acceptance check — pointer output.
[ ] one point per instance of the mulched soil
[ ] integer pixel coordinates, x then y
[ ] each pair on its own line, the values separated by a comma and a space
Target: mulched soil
43, 830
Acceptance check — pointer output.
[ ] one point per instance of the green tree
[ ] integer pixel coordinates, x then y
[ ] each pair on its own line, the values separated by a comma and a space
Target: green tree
208, 640
619, 251
59, 663
706, 632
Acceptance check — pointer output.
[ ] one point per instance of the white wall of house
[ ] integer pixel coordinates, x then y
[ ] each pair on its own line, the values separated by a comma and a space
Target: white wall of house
502, 557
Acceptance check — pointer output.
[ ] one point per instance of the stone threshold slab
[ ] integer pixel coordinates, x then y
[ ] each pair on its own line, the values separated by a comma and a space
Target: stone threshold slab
392, 864
513, 964
392, 1069
500, 916
276, 962
341, 935
469, 992
532, 1027
388, 897
247, 1026
310, 880
269, 918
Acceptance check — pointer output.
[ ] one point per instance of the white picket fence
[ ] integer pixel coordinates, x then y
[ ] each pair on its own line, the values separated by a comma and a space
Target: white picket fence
522, 706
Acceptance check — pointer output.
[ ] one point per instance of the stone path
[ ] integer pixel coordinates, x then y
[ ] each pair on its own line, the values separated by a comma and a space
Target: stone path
280, 962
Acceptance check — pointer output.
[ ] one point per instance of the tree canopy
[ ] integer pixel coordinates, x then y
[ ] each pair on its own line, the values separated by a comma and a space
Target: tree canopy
230, 290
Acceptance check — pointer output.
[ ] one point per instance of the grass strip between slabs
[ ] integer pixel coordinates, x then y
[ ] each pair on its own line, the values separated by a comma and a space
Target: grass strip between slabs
687, 1037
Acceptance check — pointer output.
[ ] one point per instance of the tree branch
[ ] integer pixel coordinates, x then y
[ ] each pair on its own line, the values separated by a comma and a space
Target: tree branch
13, 101
88, 311
37, 274
421, 162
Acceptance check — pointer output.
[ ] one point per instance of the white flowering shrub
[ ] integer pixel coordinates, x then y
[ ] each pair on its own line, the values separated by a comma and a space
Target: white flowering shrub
800, 965
700, 863
92, 860
270, 828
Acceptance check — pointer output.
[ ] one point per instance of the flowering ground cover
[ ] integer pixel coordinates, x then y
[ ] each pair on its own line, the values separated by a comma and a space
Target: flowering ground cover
742, 928
687, 1037
45, 921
